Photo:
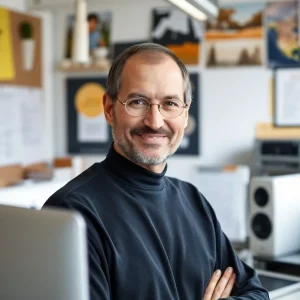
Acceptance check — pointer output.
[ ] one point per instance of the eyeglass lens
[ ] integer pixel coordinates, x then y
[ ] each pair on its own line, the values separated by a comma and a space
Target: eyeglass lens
168, 108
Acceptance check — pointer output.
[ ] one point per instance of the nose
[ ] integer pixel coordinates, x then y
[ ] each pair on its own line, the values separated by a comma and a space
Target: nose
153, 118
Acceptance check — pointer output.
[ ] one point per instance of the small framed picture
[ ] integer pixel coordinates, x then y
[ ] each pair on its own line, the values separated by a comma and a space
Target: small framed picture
287, 97
87, 130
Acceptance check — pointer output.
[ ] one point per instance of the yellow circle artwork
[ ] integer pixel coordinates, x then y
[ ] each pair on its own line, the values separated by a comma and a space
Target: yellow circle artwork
88, 100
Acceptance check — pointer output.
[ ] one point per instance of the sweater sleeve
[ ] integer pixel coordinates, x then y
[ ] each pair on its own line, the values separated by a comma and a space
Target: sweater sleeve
248, 286
99, 284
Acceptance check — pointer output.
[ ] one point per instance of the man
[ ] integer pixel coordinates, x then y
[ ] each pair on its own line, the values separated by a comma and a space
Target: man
151, 236
95, 37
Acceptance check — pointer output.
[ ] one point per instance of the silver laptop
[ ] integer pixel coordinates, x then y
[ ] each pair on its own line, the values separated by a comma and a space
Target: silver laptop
43, 255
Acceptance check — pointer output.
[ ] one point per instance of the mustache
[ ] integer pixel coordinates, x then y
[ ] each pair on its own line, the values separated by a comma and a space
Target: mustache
148, 130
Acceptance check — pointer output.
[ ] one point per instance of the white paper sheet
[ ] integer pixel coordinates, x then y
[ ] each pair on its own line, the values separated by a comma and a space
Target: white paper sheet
32, 127
10, 137
92, 129
287, 104
227, 193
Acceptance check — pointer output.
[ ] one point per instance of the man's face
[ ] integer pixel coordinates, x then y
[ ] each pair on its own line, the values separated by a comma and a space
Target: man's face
148, 140
92, 25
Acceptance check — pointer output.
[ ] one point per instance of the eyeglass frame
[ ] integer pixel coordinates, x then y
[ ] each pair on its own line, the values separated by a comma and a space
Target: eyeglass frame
185, 105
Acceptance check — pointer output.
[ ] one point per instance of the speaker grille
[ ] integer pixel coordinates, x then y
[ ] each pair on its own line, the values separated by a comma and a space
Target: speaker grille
261, 226
261, 197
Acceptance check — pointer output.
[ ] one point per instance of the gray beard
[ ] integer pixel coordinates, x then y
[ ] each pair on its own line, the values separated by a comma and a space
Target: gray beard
136, 156
140, 158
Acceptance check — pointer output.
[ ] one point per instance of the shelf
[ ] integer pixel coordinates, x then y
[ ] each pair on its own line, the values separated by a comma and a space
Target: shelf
77, 68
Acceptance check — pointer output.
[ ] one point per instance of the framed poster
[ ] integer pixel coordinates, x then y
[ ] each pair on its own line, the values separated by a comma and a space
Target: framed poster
99, 26
87, 130
287, 97
236, 37
190, 144
177, 31
282, 34
120, 47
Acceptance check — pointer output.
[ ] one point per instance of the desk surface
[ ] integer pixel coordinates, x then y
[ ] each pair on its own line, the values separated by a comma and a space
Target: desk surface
273, 283
280, 285
33, 194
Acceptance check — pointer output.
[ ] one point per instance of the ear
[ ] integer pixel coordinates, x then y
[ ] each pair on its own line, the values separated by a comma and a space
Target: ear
186, 121
108, 109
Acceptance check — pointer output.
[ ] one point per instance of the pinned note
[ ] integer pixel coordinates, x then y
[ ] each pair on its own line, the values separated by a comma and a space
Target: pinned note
7, 70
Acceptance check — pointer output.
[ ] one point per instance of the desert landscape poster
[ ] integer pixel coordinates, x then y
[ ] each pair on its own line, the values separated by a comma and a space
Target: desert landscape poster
236, 38
177, 31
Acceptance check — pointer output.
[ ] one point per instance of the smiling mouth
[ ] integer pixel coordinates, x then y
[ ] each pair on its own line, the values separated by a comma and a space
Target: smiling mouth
151, 137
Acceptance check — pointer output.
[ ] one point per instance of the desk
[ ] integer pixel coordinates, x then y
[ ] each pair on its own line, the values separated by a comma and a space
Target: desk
33, 194
280, 286
288, 264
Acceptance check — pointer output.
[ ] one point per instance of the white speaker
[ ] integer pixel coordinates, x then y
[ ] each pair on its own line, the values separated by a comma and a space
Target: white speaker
274, 215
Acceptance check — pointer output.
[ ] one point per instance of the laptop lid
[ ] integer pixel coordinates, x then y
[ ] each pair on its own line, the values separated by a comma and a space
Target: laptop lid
43, 255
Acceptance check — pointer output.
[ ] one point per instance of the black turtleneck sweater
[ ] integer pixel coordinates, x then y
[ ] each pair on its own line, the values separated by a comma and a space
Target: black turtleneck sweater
150, 236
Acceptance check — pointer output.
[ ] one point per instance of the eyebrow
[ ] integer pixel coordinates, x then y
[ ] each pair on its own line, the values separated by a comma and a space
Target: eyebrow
175, 97
133, 95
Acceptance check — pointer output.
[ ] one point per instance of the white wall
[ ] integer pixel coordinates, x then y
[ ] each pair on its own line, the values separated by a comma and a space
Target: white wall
232, 100
19, 5
47, 96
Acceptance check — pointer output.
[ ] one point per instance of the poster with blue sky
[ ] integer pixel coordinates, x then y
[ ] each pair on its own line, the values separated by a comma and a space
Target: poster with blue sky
236, 37
282, 21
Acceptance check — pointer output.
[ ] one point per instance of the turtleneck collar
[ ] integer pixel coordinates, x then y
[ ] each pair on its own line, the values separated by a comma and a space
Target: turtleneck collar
131, 173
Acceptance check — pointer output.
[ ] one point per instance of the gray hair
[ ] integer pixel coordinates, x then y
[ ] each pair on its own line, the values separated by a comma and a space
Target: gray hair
113, 84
